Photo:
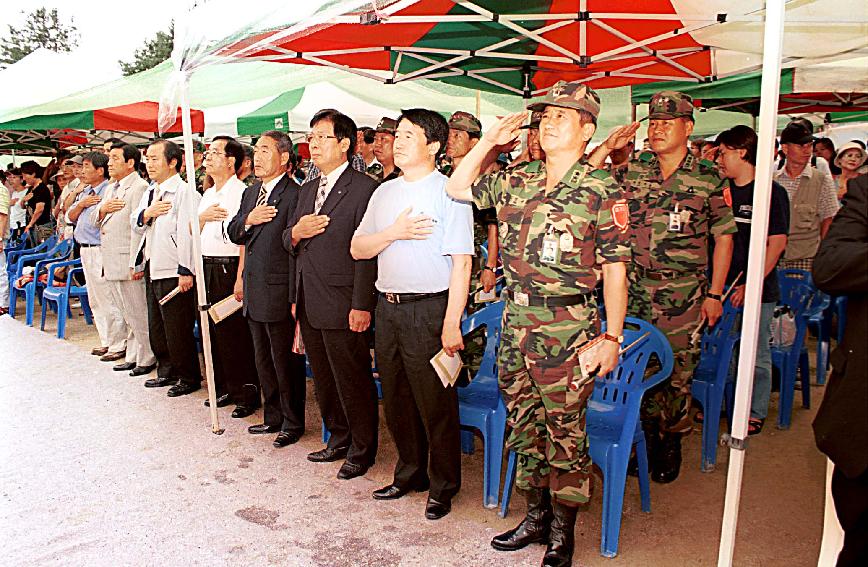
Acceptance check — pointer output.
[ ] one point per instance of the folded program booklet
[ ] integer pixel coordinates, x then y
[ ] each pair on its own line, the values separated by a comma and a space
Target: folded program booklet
448, 368
224, 308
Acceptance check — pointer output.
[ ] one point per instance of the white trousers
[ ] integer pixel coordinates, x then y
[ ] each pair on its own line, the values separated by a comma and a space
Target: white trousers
130, 295
106, 314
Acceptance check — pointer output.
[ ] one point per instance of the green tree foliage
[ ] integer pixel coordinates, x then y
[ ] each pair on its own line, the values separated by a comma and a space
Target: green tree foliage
42, 28
154, 52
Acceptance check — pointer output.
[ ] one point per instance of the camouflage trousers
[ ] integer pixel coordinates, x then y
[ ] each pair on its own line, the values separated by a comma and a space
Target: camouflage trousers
537, 365
673, 306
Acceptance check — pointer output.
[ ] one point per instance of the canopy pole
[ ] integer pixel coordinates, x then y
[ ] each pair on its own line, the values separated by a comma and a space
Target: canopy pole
772, 48
202, 300
478, 103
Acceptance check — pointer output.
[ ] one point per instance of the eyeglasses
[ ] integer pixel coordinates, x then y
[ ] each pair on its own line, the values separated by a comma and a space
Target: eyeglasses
213, 153
318, 138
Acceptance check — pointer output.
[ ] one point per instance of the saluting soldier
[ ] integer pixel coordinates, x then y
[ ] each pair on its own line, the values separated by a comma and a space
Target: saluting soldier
561, 231
678, 208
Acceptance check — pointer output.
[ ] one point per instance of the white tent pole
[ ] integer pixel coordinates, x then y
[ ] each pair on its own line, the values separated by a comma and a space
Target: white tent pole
772, 47
202, 300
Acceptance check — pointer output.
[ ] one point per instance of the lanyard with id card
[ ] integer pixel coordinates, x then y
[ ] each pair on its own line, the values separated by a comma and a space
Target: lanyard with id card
551, 250
675, 220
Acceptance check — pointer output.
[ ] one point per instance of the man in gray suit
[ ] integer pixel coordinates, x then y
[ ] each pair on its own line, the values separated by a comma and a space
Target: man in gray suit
119, 248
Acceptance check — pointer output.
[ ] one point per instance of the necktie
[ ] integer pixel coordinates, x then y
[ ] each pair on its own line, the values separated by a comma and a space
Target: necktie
261, 198
321, 194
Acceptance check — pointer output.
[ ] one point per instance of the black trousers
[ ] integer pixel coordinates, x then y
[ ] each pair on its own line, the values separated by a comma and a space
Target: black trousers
421, 414
345, 389
170, 327
851, 504
281, 374
231, 343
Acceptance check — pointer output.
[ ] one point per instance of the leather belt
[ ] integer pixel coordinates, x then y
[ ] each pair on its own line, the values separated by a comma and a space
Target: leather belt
660, 275
410, 297
220, 259
526, 300
88, 245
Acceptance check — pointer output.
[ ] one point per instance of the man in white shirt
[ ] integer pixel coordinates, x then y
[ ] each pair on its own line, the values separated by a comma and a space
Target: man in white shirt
223, 262
119, 248
163, 217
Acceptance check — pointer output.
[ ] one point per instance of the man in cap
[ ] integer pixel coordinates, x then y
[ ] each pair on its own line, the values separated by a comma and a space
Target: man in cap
678, 207
384, 139
532, 150
813, 197
562, 229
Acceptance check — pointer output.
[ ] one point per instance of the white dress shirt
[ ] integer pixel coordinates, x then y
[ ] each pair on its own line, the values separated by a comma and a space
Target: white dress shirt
215, 240
331, 179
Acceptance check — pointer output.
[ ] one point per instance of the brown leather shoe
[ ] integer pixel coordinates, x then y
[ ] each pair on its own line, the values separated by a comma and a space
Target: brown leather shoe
112, 356
99, 351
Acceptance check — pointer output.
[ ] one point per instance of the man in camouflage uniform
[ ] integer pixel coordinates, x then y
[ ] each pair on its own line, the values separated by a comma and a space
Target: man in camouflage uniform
384, 139
532, 150
561, 231
678, 208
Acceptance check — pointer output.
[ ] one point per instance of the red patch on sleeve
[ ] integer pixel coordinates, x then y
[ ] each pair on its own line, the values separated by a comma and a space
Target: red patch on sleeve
621, 215
727, 197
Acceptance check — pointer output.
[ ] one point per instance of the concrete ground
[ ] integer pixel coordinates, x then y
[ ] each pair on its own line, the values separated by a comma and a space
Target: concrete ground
97, 470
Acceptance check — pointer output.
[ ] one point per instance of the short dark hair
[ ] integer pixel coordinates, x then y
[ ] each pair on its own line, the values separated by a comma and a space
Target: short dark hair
248, 151
825, 142
113, 141
740, 138
98, 160
432, 123
30, 167
171, 151
284, 144
344, 127
16, 171
233, 150
130, 153
368, 134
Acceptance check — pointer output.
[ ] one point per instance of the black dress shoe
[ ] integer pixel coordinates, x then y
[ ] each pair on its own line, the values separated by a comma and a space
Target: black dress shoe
434, 510
328, 455
263, 428
222, 401
142, 370
285, 438
351, 470
99, 351
124, 367
112, 356
242, 411
182, 389
393, 491
160, 382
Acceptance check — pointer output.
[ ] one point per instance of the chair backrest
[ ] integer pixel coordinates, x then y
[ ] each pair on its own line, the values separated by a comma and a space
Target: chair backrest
491, 316
803, 275
799, 296
718, 343
61, 249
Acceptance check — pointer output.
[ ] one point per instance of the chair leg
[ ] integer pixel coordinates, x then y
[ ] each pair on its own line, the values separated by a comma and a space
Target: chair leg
711, 429
326, 434
822, 360
788, 383
644, 485
614, 479
805, 375
45, 307
493, 444
85, 307
467, 441
508, 483
62, 310
30, 306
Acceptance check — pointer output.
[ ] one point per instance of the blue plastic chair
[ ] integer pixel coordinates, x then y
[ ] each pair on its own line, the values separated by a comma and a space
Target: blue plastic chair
797, 295
710, 378
12, 257
613, 426
480, 405
60, 297
59, 252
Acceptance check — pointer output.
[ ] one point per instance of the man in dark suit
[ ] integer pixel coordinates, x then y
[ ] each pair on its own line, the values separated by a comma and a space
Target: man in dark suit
269, 287
335, 294
841, 426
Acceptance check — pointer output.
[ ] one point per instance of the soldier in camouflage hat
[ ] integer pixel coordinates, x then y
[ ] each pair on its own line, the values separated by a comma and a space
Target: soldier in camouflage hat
532, 150
384, 138
562, 231
678, 209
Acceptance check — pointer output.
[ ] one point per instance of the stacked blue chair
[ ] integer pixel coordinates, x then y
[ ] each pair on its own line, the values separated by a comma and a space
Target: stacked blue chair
613, 425
710, 378
60, 296
58, 252
480, 405
796, 294
12, 257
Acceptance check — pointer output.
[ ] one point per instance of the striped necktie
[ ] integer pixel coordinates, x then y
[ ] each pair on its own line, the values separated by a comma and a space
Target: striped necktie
321, 194
262, 197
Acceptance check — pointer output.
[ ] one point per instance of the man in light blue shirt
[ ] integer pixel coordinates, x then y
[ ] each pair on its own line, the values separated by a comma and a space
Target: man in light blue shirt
423, 242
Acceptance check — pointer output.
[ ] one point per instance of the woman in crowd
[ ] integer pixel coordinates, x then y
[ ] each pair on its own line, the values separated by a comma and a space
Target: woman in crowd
850, 158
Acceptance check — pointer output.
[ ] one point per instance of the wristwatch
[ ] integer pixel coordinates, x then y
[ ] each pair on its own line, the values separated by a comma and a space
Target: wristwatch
489, 268
716, 296
619, 339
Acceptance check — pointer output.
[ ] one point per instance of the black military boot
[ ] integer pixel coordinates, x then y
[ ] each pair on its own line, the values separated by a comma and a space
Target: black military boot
559, 552
651, 427
668, 464
534, 528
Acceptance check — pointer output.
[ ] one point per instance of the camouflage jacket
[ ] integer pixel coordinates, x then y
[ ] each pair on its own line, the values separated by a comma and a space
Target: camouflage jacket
579, 212
694, 193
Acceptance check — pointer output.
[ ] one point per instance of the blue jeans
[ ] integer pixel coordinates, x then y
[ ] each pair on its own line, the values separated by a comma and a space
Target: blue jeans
762, 374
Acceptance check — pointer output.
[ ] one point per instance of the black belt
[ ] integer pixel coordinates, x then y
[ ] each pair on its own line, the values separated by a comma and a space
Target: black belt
87, 245
410, 297
220, 259
526, 300
660, 275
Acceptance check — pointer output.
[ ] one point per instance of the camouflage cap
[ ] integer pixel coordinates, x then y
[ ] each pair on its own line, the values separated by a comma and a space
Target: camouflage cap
575, 95
466, 122
198, 147
535, 118
387, 125
668, 105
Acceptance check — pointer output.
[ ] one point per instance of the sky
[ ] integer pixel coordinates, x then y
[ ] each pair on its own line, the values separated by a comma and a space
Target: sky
109, 30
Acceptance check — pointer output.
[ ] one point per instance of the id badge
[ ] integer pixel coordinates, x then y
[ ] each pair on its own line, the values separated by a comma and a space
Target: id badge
675, 220
551, 252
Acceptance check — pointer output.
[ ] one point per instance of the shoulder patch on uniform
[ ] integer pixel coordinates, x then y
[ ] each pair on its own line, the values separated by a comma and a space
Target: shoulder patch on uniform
621, 214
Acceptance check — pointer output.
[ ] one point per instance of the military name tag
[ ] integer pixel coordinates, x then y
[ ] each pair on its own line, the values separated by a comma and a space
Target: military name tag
674, 222
550, 250
566, 243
